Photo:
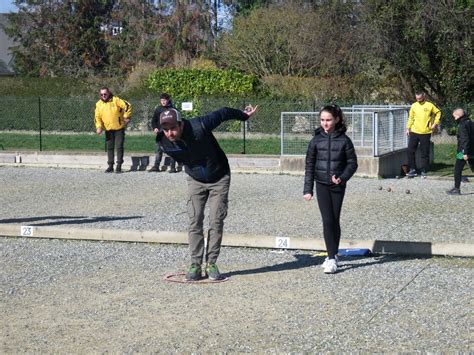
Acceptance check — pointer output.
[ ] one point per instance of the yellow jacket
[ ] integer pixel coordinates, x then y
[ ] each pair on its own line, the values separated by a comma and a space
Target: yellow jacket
422, 117
110, 115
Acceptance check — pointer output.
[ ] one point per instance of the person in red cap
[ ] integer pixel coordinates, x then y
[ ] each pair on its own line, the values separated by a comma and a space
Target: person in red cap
192, 143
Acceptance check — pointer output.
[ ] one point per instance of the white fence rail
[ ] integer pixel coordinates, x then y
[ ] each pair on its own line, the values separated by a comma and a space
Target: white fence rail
374, 130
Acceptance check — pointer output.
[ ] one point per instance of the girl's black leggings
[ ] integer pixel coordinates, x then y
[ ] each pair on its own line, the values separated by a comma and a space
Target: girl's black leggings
330, 198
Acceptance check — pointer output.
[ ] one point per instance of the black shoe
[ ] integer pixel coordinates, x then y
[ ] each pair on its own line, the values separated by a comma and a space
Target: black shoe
110, 169
194, 273
172, 171
454, 191
154, 169
412, 173
118, 169
464, 179
213, 272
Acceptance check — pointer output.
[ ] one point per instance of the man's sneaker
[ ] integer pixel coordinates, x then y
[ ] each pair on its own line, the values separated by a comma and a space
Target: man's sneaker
464, 179
110, 169
412, 173
154, 169
213, 272
118, 169
323, 265
194, 273
172, 171
330, 267
424, 175
454, 191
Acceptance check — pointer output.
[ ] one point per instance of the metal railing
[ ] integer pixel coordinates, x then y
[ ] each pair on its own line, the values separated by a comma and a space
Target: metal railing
373, 130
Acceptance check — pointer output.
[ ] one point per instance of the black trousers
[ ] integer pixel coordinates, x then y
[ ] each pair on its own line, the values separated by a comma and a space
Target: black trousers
458, 168
158, 155
330, 198
115, 140
422, 140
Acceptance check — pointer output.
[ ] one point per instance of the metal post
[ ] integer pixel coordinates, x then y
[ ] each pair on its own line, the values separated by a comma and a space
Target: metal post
353, 124
390, 117
362, 128
376, 134
40, 124
245, 128
281, 133
405, 120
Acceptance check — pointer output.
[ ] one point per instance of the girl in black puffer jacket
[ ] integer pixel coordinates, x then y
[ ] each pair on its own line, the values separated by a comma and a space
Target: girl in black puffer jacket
330, 162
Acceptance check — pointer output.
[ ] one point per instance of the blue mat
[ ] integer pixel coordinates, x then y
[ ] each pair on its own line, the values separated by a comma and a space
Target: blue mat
354, 252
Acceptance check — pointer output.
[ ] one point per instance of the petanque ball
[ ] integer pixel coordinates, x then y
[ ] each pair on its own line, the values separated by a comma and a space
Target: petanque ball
389, 189
407, 191
380, 187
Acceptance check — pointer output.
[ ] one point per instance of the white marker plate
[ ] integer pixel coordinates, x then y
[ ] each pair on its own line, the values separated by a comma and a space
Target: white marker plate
282, 243
26, 231
187, 106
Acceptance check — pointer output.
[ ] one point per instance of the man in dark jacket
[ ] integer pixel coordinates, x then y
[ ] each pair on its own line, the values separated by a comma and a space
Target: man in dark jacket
192, 143
465, 148
165, 104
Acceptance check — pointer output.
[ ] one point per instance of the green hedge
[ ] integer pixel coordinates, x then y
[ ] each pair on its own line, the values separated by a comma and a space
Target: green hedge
191, 83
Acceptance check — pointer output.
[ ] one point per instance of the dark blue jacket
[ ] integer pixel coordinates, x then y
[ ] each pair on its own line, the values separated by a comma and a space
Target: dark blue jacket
197, 149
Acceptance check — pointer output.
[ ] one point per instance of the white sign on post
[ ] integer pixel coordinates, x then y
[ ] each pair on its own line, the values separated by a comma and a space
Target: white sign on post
26, 231
282, 242
187, 106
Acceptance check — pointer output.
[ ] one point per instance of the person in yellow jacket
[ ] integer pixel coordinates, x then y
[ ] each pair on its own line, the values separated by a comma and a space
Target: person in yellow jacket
112, 114
423, 120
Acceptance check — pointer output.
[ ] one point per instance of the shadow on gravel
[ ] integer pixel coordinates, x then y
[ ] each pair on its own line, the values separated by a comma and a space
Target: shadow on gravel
302, 261
347, 263
308, 260
59, 220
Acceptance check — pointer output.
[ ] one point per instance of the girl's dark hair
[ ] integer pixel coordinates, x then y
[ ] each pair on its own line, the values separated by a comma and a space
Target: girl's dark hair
336, 111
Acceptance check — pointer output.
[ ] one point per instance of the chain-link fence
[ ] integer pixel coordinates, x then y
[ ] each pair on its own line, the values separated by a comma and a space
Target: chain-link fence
37, 118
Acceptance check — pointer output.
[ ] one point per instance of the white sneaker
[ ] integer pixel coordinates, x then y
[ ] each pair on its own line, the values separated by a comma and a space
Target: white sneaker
323, 265
331, 266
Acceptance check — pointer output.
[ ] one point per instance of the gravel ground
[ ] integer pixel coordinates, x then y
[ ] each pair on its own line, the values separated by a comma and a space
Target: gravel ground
259, 204
65, 296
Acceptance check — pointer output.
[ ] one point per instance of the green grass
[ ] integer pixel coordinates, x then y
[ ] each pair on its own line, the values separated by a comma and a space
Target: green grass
139, 144
444, 159
443, 163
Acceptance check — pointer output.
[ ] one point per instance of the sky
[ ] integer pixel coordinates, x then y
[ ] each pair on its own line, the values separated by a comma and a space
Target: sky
7, 6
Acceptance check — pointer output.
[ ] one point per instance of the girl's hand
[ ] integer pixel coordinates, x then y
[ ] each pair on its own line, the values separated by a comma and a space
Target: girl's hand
308, 197
336, 180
